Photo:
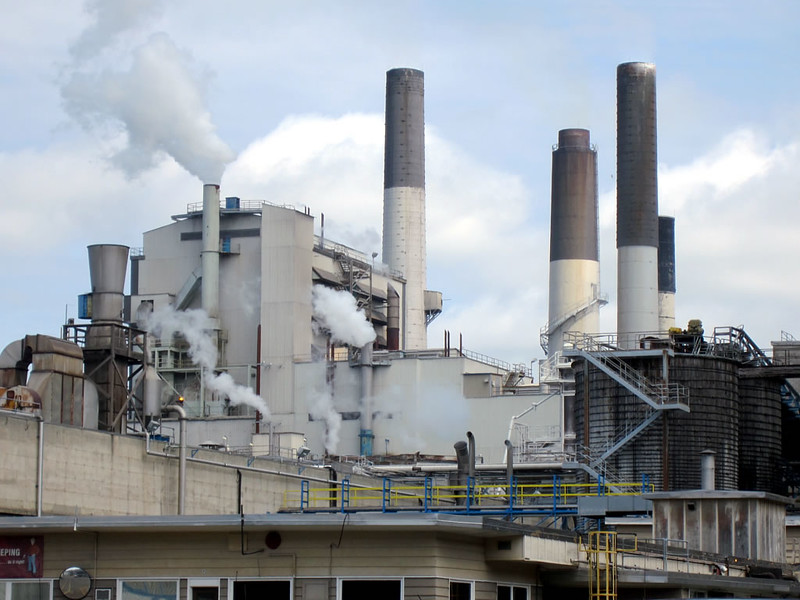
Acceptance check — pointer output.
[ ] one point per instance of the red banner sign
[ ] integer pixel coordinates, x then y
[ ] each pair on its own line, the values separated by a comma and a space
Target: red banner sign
21, 556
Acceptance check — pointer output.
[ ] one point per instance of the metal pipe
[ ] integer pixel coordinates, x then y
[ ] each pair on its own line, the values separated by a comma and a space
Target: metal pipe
210, 250
40, 469
509, 463
709, 469
471, 464
366, 436
181, 457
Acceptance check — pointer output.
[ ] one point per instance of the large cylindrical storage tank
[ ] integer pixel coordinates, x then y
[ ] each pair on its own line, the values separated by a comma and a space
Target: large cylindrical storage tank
574, 265
760, 434
669, 450
637, 202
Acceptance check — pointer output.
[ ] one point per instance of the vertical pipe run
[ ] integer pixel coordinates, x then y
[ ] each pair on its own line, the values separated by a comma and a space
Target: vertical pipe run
574, 251
181, 458
366, 436
637, 203
404, 196
392, 319
210, 251
709, 470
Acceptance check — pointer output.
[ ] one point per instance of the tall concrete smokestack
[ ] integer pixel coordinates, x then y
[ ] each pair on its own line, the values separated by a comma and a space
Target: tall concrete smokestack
210, 252
574, 264
404, 196
666, 273
637, 202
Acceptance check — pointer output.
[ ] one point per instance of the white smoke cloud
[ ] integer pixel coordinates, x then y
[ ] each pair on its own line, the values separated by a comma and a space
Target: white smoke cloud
337, 312
111, 19
159, 101
194, 326
321, 408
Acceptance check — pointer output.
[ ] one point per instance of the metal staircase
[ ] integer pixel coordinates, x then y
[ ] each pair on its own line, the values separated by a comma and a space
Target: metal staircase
574, 313
658, 397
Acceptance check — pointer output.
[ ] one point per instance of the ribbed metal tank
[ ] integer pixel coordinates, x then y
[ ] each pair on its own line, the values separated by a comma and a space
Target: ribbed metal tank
669, 451
712, 424
760, 435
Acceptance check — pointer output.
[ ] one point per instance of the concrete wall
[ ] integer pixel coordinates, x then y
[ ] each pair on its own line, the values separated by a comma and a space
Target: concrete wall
97, 473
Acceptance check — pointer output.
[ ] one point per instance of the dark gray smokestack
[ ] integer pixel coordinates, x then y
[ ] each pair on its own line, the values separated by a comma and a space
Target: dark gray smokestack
637, 183
404, 197
404, 159
637, 203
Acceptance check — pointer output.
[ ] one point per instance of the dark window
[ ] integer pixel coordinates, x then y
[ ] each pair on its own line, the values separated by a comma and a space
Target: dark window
261, 590
370, 589
205, 593
508, 592
460, 590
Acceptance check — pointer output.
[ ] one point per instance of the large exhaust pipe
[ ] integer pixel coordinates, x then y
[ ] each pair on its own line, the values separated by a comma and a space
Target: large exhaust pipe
404, 196
108, 264
574, 264
210, 252
637, 203
666, 273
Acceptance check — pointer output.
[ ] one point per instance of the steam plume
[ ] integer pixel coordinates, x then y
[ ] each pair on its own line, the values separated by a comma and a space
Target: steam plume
194, 325
158, 102
337, 312
321, 407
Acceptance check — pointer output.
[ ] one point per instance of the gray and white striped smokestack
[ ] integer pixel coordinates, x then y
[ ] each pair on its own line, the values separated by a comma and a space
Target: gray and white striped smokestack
404, 196
637, 203
210, 253
574, 264
666, 273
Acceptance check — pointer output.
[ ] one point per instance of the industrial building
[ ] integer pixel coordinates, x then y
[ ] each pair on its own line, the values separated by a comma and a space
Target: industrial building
263, 413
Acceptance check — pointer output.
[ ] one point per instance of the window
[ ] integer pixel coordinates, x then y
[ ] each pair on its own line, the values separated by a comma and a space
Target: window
262, 590
460, 590
512, 592
370, 589
147, 590
25, 590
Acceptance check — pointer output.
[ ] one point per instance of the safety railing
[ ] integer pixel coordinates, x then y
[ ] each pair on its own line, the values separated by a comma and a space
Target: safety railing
473, 497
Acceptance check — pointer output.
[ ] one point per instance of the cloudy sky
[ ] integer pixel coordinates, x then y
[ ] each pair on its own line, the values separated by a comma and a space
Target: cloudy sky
113, 111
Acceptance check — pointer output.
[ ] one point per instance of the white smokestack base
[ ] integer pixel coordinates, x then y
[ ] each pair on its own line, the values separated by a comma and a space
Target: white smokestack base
637, 293
210, 252
404, 196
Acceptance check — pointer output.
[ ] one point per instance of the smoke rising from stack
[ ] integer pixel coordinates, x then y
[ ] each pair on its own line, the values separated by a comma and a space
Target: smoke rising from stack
158, 102
194, 327
321, 407
337, 312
